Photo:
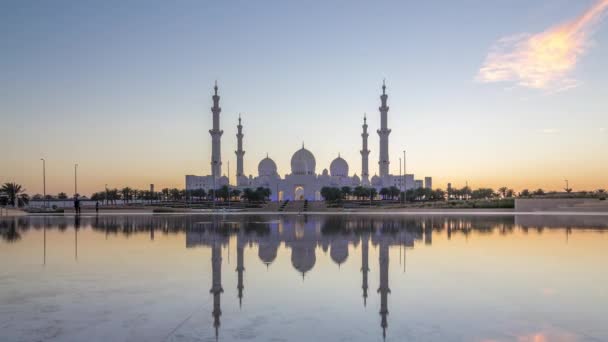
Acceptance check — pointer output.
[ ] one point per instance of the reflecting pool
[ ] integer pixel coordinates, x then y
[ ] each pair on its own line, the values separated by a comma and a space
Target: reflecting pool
304, 278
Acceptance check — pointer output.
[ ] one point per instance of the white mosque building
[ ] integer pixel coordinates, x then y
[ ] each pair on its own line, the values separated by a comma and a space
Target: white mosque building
303, 183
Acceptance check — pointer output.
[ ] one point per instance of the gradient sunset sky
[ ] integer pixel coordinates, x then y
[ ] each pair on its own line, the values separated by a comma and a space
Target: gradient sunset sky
494, 93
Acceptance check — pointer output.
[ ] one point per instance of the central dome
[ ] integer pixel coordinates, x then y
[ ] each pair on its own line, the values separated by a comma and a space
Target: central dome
267, 167
303, 162
339, 167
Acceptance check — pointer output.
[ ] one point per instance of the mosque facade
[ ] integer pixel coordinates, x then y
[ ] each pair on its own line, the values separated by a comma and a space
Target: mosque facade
304, 183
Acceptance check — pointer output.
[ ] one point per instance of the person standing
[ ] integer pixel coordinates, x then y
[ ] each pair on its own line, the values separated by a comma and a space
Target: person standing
97, 207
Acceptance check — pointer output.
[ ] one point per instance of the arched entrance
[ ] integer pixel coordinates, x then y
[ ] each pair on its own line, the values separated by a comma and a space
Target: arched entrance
298, 193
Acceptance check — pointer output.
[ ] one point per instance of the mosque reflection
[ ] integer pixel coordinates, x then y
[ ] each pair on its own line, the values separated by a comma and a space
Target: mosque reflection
301, 235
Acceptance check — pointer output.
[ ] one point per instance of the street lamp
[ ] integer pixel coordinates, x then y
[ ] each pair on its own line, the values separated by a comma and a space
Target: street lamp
401, 182
44, 181
404, 177
106, 194
75, 180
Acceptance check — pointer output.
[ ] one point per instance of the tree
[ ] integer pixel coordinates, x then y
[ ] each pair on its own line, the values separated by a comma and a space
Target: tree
503, 191
331, 194
175, 194
37, 197
482, 193
223, 193
346, 191
465, 192
524, 193
372, 192
200, 193
384, 192
359, 192
235, 193
127, 194
438, 195
539, 192
249, 194
510, 193
165, 193
13, 191
394, 192
62, 196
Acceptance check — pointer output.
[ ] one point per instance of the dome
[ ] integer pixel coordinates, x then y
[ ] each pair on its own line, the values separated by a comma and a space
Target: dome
376, 180
267, 252
303, 258
339, 251
339, 167
325, 172
356, 180
303, 162
267, 167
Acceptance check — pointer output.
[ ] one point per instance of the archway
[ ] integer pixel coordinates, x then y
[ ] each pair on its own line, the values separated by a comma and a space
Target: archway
280, 195
298, 193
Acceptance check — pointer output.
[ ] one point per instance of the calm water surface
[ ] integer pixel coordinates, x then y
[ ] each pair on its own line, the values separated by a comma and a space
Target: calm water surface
304, 278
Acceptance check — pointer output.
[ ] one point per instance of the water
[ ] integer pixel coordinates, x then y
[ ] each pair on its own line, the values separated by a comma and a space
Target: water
304, 278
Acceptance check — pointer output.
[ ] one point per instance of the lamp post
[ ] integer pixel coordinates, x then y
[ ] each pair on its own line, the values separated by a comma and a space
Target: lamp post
401, 177
404, 177
75, 180
229, 185
44, 180
106, 194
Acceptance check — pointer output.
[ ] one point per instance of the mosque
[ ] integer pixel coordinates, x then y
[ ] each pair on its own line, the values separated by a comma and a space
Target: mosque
303, 183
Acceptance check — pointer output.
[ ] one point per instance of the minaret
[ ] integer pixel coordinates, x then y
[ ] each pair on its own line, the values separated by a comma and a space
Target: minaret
239, 152
365, 265
240, 265
216, 136
216, 288
383, 132
364, 154
384, 289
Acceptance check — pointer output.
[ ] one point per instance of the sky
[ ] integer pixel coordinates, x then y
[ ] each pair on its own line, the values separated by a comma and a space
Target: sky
489, 93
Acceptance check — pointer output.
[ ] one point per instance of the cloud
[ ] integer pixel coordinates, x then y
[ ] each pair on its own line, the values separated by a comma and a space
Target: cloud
543, 60
602, 129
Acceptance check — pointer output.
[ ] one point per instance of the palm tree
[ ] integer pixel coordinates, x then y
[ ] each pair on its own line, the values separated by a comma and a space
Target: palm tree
127, 194
62, 196
235, 193
346, 191
13, 191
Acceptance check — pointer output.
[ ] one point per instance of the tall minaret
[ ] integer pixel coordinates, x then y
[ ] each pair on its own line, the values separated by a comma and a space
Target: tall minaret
383, 132
364, 154
216, 136
239, 152
384, 290
216, 288
240, 267
365, 264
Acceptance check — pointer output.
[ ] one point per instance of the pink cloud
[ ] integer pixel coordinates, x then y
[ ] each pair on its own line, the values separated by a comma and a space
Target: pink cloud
543, 60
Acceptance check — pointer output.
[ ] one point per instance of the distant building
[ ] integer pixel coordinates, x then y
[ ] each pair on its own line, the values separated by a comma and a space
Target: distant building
303, 182
428, 183
419, 184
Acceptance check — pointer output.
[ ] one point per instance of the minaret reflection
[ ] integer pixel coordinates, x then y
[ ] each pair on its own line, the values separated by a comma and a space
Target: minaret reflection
216, 288
365, 264
240, 267
384, 290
